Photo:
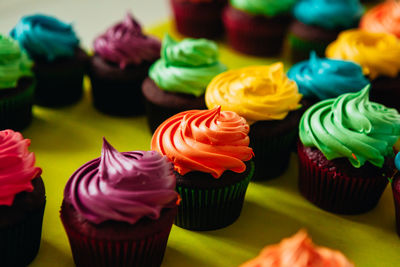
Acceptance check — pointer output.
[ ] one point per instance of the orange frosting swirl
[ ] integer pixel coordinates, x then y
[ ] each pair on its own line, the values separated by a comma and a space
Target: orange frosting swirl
384, 17
298, 251
210, 141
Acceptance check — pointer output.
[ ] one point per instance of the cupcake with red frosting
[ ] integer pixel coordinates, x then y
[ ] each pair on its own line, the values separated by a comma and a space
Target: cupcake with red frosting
118, 209
123, 55
22, 201
298, 251
211, 156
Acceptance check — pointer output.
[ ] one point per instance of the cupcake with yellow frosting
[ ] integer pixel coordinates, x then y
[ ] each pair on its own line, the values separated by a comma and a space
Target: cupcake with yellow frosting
378, 54
269, 101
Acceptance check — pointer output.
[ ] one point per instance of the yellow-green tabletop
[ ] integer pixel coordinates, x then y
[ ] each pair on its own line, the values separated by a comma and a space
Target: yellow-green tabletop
64, 139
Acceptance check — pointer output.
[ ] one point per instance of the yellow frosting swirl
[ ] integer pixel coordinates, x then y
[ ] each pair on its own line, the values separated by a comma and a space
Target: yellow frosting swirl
377, 53
256, 93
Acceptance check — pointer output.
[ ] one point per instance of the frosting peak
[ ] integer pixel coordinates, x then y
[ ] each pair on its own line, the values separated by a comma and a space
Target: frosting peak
122, 186
124, 44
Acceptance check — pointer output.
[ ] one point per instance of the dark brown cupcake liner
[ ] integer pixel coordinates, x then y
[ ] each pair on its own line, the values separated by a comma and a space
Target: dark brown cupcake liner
396, 198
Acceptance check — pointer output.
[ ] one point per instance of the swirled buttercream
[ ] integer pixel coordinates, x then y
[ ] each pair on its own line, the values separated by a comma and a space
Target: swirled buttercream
267, 8
255, 93
122, 186
125, 44
377, 53
210, 141
352, 127
17, 166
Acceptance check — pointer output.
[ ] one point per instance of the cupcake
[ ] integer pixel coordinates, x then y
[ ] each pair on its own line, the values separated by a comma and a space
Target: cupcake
178, 80
384, 17
257, 27
346, 152
318, 22
269, 101
59, 62
122, 58
199, 18
211, 157
16, 86
22, 201
298, 251
396, 192
118, 209
378, 54
322, 78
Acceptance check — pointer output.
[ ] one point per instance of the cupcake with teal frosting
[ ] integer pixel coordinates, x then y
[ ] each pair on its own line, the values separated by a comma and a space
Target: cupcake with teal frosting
346, 152
177, 82
318, 22
16, 86
257, 27
59, 61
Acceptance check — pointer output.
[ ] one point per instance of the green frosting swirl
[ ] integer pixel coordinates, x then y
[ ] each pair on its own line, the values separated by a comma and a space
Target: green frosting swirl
267, 8
187, 66
14, 63
353, 127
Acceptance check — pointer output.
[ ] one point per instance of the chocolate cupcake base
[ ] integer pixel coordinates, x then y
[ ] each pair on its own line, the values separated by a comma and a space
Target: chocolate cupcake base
385, 90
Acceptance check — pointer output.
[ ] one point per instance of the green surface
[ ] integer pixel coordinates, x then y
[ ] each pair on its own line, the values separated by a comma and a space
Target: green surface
64, 139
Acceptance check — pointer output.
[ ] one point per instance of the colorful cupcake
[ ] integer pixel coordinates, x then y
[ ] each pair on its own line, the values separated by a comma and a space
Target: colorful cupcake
16, 86
118, 209
378, 54
396, 192
269, 101
384, 17
346, 152
22, 201
257, 27
322, 78
318, 23
211, 157
123, 56
59, 62
178, 80
199, 18
298, 251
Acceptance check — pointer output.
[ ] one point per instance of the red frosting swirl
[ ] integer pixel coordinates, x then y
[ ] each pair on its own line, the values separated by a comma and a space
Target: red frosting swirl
209, 141
384, 17
17, 166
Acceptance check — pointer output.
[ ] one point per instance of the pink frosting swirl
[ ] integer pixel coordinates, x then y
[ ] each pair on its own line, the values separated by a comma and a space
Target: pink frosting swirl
17, 166
122, 186
125, 43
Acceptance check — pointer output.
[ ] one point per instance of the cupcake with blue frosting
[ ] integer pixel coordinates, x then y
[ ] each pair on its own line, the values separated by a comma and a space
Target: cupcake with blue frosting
59, 61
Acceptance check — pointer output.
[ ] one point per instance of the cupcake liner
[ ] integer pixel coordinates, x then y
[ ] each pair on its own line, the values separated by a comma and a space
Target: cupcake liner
396, 198
337, 192
19, 243
204, 209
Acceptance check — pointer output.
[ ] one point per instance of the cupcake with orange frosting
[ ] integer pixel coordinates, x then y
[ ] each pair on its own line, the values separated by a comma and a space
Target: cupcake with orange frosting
378, 54
298, 251
269, 101
212, 161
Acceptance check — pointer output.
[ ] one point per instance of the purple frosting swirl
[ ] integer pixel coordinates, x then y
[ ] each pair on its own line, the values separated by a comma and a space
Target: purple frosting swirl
122, 186
125, 44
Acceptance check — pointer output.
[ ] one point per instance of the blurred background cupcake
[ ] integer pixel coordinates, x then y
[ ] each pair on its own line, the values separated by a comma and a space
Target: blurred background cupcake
16, 86
318, 22
396, 192
257, 27
121, 60
378, 54
59, 61
178, 80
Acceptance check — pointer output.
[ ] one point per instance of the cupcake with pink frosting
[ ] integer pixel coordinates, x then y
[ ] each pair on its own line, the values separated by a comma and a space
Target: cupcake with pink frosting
122, 57
118, 209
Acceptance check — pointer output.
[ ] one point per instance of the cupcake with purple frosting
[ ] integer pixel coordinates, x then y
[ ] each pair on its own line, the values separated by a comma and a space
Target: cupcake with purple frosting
118, 209
122, 57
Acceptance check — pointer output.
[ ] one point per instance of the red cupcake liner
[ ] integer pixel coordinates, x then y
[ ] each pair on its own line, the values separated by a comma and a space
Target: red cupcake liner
335, 191
396, 198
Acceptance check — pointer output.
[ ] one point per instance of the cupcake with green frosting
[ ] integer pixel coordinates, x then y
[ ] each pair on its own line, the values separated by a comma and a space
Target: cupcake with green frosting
177, 82
257, 27
346, 152
16, 86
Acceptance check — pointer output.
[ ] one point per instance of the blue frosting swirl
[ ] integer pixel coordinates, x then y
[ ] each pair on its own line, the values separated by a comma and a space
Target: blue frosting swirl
329, 14
325, 78
397, 161
45, 37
